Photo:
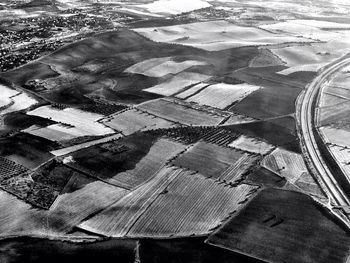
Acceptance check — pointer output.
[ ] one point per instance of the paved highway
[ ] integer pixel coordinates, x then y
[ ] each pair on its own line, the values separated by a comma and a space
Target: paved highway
305, 117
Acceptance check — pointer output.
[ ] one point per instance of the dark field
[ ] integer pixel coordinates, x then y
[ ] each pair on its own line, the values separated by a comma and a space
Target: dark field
35, 70
283, 135
278, 95
265, 177
17, 121
190, 250
283, 226
26, 149
109, 159
41, 250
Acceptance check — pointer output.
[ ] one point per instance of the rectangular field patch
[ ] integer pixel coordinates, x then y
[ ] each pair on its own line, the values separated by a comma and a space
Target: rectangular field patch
180, 113
208, 159
222, 95
191, 205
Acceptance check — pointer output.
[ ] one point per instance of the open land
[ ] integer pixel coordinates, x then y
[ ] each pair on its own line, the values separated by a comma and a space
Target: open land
174, 130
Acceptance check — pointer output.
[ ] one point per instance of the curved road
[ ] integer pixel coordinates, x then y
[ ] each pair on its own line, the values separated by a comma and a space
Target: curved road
305, 117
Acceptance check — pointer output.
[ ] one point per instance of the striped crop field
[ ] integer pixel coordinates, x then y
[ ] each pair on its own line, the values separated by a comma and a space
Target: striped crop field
235, 171
285, 163
71, 208
191, 205
252, 145
180, 113
18, 217
133, 120
208, 159
160, 152
116, 220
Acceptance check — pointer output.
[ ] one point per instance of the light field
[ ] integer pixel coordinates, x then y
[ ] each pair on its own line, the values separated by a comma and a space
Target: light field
219, 35
84, 122
306, 33
328, 100
322, 24
189, 92
174, 7
131, 121
177, 83
74, 148
55, 132
208, 159
342, 156
252, 145
18, 102
6, 94
336, 136
191, 205
222, 95
311, 57
179, 113
238, 118
148, 166
116, 220
159, 67
285, 163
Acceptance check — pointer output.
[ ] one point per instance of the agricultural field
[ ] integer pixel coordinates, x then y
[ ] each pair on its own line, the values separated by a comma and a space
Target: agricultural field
133, 120
335, 115
177, 83
27, 150
222, 95
336, 136
160, 67
279, 132
191, 91
180, 113
341, 155
262, 230
39, 188
116, 220
310, 32
70, 209
13, 101
309, 185
170, 131
127, 162
265, 58
310, 57
252, 145
75, 122
198, 204
7, 93
227, 35
286, 164
208, 159
266, 178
